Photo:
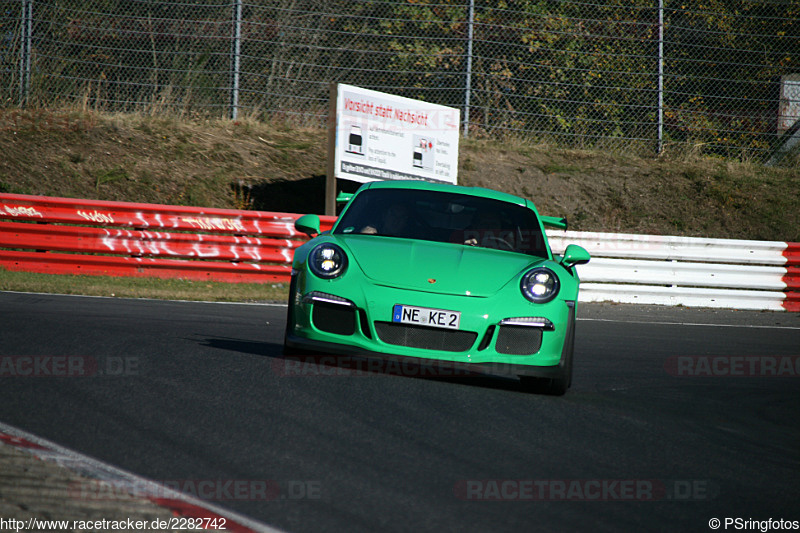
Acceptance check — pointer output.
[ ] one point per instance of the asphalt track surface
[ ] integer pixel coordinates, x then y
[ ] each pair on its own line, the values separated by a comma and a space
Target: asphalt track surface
664, 429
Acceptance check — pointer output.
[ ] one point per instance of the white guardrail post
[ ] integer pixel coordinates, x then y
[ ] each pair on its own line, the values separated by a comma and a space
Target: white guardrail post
688, 271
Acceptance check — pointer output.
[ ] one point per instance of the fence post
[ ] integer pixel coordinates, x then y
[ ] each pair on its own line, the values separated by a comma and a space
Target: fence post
236, 48
660, 75
26, 29
468, 84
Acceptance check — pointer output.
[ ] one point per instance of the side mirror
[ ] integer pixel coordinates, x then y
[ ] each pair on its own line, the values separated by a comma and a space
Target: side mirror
308, 224
575, 255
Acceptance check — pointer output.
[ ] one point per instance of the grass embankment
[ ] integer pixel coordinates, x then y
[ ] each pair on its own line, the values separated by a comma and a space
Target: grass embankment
249, 164
129, 287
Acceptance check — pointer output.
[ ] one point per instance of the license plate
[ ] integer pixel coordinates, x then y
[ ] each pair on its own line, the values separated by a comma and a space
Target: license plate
425, 316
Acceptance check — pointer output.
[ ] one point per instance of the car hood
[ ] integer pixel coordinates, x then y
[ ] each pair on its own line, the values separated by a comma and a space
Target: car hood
435, 267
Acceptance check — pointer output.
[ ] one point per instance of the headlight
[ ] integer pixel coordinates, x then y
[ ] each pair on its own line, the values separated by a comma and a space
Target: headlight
540, 285
327, 261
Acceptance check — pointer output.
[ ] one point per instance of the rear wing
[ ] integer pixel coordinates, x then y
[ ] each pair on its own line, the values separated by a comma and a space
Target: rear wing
344, 197
554, 222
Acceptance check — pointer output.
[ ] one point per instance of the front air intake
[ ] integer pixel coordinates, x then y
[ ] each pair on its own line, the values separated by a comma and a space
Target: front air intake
426, 338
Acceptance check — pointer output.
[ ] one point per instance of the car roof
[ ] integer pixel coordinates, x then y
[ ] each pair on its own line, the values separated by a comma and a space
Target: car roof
447, 187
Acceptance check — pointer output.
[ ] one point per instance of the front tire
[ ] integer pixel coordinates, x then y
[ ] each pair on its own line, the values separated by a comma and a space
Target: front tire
288, 350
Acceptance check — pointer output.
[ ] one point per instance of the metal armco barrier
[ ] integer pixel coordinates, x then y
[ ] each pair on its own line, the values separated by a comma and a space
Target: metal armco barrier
689, 271
67, 236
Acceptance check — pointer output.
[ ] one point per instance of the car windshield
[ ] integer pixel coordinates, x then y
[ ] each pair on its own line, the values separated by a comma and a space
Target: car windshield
443, 217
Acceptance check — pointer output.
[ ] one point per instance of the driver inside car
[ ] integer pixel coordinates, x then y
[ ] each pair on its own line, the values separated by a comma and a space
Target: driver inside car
487, 231
395, 222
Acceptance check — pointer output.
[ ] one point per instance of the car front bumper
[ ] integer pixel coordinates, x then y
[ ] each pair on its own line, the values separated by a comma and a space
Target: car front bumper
331, 317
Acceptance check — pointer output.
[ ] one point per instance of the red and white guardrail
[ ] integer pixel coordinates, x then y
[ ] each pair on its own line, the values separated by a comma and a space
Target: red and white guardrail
67, 236
689, 271
132, 239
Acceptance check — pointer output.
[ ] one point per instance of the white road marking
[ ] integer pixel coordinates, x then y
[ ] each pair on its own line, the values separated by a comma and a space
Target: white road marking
662, 323
96, 469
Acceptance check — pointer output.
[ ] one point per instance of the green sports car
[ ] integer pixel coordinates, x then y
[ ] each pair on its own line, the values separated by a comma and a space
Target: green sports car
442, 275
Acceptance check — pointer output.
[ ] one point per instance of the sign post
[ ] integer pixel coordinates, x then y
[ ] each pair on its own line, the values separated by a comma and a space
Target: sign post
374, 136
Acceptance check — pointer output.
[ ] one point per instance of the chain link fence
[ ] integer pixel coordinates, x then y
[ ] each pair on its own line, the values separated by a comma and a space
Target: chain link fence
643, 74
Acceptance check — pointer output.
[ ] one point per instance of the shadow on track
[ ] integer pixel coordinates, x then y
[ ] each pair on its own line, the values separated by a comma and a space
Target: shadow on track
321, 364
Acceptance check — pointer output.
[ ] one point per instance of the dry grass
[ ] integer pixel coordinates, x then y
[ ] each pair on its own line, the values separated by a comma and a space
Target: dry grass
248, 163
126, 287
160, 158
